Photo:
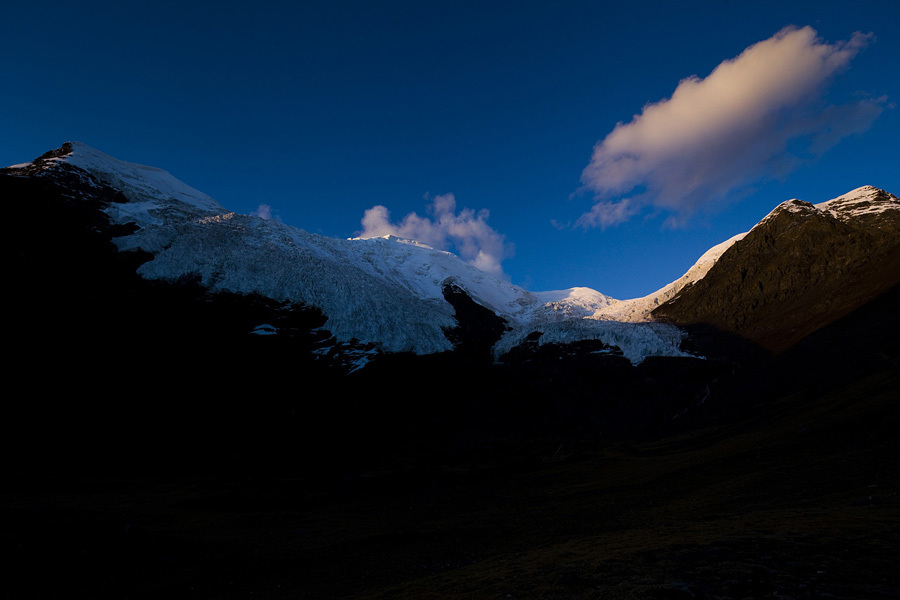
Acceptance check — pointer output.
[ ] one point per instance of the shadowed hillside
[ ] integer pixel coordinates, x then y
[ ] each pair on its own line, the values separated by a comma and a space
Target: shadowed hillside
161, 449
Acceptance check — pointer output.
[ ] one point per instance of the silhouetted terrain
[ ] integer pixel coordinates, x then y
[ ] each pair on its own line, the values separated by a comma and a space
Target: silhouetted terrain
156, 449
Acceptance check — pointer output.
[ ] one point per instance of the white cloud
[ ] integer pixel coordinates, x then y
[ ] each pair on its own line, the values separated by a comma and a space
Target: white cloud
466, 233
606, 214
265, 212
714, 136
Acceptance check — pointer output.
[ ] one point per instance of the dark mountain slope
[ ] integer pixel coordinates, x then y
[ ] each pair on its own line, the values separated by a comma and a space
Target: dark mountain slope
115, 369
170, 376
795, 498
796, 271
156, 449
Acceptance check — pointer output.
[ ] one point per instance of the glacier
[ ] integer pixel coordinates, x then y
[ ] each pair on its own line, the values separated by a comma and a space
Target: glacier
385, 291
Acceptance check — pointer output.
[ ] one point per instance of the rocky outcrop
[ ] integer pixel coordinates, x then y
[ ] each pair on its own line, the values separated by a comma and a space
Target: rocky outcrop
801, 268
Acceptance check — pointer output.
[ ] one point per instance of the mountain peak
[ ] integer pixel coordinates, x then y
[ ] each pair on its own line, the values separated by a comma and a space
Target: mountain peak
868, 204
393, 238
801, 267
794, 206
143, 185
865, 189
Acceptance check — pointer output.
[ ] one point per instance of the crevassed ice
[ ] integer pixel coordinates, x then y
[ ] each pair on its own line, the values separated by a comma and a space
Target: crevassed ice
382, 290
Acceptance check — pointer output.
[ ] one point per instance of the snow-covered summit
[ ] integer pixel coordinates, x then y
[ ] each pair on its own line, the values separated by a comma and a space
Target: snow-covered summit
859, 205
393, 238
575, 302
794, 206
862, 203
156, 197
139, 182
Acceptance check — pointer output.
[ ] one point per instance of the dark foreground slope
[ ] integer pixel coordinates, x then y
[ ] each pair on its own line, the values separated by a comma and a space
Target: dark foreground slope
155, 450
791, 495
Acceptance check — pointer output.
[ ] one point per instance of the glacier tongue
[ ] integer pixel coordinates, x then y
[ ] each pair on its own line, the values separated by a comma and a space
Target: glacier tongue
247, 254
387, 291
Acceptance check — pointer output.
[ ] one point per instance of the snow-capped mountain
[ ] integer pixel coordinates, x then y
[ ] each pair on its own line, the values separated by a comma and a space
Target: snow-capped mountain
228, 403
866, 206
386, 292
800, 268
391, 294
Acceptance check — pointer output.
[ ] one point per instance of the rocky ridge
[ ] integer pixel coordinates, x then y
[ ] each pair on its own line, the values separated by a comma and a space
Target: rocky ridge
800, 268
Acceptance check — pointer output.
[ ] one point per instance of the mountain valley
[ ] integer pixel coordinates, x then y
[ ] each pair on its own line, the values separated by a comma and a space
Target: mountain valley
216, 405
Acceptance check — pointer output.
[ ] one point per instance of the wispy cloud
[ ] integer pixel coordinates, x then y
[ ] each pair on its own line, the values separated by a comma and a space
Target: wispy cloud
265, 212
755, 117
466, 233
607, 214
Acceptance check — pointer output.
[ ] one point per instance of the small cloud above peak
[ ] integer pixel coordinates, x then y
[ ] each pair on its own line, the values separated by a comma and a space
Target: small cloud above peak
264, 211
465, 232
702, 147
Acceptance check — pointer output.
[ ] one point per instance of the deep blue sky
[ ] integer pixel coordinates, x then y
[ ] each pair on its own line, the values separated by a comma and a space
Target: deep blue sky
322, 110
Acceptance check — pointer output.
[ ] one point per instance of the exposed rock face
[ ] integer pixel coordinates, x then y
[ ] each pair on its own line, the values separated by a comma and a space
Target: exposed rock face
477, 329
799, 269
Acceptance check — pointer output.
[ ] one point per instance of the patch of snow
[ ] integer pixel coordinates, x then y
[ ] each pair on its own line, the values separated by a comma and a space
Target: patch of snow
793, 205
394, 238
264, 329
637, 341
866, 200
